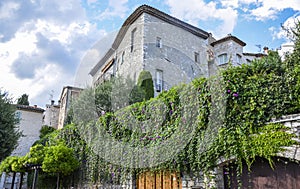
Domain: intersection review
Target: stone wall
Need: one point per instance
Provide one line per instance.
(231, 48)
(128, 62)
(30, 124)
(176, 55)
(51, 115)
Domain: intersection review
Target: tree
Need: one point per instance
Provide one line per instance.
(9, 133)
(145, 82)
(59, 159)
(137, 95)
(23, 100)
(292, 63)
(14, 164)
(45, 130)
(103, 97)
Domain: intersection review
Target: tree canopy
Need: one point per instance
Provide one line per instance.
(59, 159)
(145, 82)
(9, 133)
(23, 100)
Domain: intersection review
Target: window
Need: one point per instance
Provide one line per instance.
(158, 42)
(159, 80)
(18, 115)
(122, 57)
(197, 59)
(132, 39)
(222, 59)
(238, 59)
(193, 69)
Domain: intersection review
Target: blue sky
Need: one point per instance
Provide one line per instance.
(44, 43)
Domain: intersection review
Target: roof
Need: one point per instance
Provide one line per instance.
(134, 16)
(70, 88)
(227, 38)
(255, 54)
(29, 108)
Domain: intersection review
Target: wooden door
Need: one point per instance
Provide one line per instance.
(159, 180)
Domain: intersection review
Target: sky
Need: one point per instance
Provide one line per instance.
(48, 44)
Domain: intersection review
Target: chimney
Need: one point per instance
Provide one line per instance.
(266, 49)
(52, 102)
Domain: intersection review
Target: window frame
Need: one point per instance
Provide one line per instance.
(158, 42)
(196, 57)
(133, 32)
(122, 57)
(223, 59)
(159, 80)
(239, 58)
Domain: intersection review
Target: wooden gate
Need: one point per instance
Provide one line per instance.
(159, 180)
(285, 175)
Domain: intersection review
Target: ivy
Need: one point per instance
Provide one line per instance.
(252, 95)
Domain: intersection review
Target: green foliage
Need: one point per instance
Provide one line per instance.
(45, 130)
(59, 159)
(13, 164)
(36, 154)
(9, 133)
(103, 97)
(254, 94)
(292, 64)
(23, 100)
(145, 82)
(112, 95)
(137, 95)
(6, 164)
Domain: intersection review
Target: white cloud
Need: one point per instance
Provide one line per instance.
(267, 9)
(230, 3)
(41, 49)
(116, 8)
(194, 11)
(280, 33)
(7, 9)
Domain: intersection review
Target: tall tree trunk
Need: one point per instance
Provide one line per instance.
(13, 180)
(21, 180)
(57, 181)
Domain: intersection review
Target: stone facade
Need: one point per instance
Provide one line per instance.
(173, 51)
(154, 41)
(51, 115)
(67, 95)
(31, 120)
(229, 50)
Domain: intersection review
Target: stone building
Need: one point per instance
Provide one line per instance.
(172, 50)
(31, 121)
(67, 95)
(51, 115)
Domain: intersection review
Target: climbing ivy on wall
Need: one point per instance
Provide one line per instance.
(253, 94)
